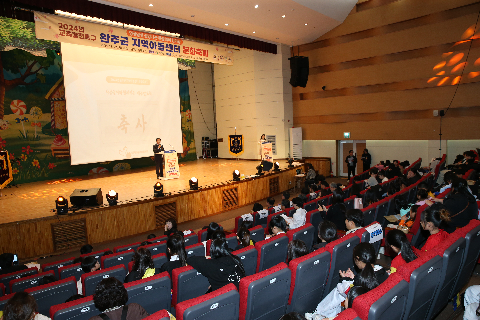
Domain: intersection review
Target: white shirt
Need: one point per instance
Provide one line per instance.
(79, 286)
(298, 219)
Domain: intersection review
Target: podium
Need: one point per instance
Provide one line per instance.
(172, 170)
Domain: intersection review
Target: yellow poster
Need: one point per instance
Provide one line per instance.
(56, 28)
(267, 152)
(172, 171)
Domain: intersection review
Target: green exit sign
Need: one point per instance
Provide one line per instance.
(346, 135)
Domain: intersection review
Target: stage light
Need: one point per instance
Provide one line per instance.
(61, 205)
(276, 167)
(193, 182)
(112, 197)
(290, 165)
(259, 170)
(236, 175)
(158, 190)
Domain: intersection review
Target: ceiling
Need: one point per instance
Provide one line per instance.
(304, 21)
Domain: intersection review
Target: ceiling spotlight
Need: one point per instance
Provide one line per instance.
(256, 6)
(253, 31)
(150, 5)
(226, 24)
(236, 175)
(306, 24)
(61, 205)
(276, 167)
(193, 182)
(283, 16)
(158, 190)
(112, 197)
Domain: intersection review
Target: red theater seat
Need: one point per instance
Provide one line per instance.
(18, 285)
(80, 309)
(152, 293)
(271, 251)
(6, 278)
(160, 315)
(53, 293)
(91, 279)
(56, 265)
(187, 283)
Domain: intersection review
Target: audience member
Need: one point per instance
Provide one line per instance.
(212, 228)
(310, 176)
(170, 226)
(398, 242)
(292, 316)
(47, 280)
(277, 226)
(111, 299)
(86, 249)
(223, 267)
(106, 253)
(372, 181)
(296, 249)
(408, 219)
(22, 306)
(351, 162)
(327, 232)
(89, 264)
(433, 220)
(366, 159)
(285, 204)
(353, 220)
(9, 263)
(382, 176)
(176, 254)
(413, 176)
(243, 238)
(143, 266)
(299, 217)
(336, 212)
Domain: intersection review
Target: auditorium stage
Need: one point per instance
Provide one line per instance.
(36, 200)
(29, 226)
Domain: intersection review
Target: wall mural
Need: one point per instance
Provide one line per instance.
(33, 117)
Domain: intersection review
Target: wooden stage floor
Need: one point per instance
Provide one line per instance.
(37, 199)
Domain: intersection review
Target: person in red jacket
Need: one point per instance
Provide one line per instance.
(433, 220)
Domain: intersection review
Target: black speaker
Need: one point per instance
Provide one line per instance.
(86, 197)
(300, 68)
(267, 165)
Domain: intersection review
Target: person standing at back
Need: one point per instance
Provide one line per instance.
(366, 159)
(351, 162)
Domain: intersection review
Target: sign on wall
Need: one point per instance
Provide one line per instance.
(56, 28)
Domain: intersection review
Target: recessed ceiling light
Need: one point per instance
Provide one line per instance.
(253, 31)
(306, 24)
(226, 24)
(192, 15)
(256, 6)
(283, 16)
(150, 5)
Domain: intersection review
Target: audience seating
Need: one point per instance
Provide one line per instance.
(6, 278)
(56, 265)
(115, 259)
(257, 221)
(18, 285)
(152, 293)
(382, 211)
(369, 214)
(96, 254)
(195, 250)
(350, 202)
(422, 274)
(309, 277)
(341, 251)
(314, 218)
(271, 251)
(158, 239)
(157, 247)
(451, 251)
(266, 288)
(53, 293)
(159, 259)
(159, 315)
(73, 270)
(257, 233)
(290, 211)
(202, 234)
(387, 301)
(269, 218)
(415, 233)
(306, 233)
(232, 242)
(187, 283)
(348, 314)
(131, 246)
(248, 256)
(2, 290)
(80, 309)
(4, 300)
(311, 205)
(91, 279)
(223, 303)
(325, 201)
(238, 223)
(191, 239)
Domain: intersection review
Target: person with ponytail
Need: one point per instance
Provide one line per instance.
(244, 238)
(433, 220)
(177, 257)
(398, 241)
(143, 266)
(223, 267)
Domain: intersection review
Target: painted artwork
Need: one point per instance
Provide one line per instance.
(33, 115)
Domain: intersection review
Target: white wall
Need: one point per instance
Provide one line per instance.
(201, 101)
(254, 96)
(321, 148)
(455, 147)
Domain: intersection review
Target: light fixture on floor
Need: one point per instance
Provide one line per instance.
(276, 167)
(112, 197)
(193, 182)
(236, 175)
(158, 190)
(61, 205)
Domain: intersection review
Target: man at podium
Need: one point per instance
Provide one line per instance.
(158, 151)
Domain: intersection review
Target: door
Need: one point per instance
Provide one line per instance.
(344, 147)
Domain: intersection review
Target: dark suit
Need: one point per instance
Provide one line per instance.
(158, 159)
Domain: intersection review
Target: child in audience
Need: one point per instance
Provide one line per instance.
(177, 257)
(299, 217)
(170, 226)
(327, 232)
(89, 264)
(223, 267)
(422, 196)
(432, 219)
(212, 228)
(296, 249)
(408, 219)
(277, 226)
(398, 242)
(142, 266)
(243, 238)
(382, 177)
(369, 277)
(353, 220)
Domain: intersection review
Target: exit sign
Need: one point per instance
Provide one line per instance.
(346, 135)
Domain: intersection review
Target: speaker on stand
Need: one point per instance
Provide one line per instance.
(300, 68)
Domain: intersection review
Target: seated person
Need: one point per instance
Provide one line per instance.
(243, 238)
(296, 249)
(86, 249)
(413, 176)
(277, 226)
(111, 298)
(313, 191)
(212, 228)
(327, 232)
(373, 181)
(143, 266)
(89, 264)
(285, 204)
(398, 242)
(9, 263)
(353, 220)
(170, 227)
(304, 194)
(21, 306)
(299, 217)
(432, 220)
(422, 196)
(336, 212)
(177, 257)
(408, 219)
(271, 205)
